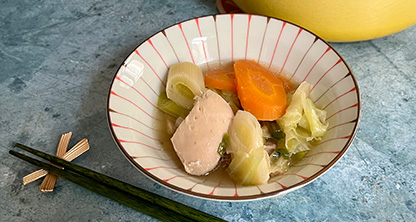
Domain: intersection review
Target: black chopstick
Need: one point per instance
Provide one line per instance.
(136, 198)
(125, 187)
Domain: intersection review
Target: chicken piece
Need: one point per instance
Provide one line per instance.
(197, 138)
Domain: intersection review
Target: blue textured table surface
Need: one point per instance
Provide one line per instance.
(57, 60)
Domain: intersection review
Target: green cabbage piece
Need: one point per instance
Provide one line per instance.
(303, 123)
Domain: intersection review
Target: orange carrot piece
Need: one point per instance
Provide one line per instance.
(222, 79)
(260, 92)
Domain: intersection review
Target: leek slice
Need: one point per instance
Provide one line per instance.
(245, 133)
(170, 107)
(250, 163)
(250, 168)
(225, 142)
(185, 81)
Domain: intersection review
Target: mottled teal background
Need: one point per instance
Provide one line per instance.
(57, 60)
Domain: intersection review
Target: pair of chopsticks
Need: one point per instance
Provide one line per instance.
(141, 200)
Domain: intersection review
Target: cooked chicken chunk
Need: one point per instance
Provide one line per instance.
(197, 138)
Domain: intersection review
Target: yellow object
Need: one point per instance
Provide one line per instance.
(339, 20)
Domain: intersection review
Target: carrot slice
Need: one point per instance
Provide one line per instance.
(222, 79)
(260, 92)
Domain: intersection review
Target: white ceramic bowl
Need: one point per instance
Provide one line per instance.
(138, 126)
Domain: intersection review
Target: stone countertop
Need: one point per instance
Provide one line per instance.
(57, 60)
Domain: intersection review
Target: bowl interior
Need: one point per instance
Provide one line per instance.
(139, 128)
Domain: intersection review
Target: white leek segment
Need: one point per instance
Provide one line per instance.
(170, 107)
(303, 122)
(249, 161)
(250, 168)
(185, 81)
(245, 133)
